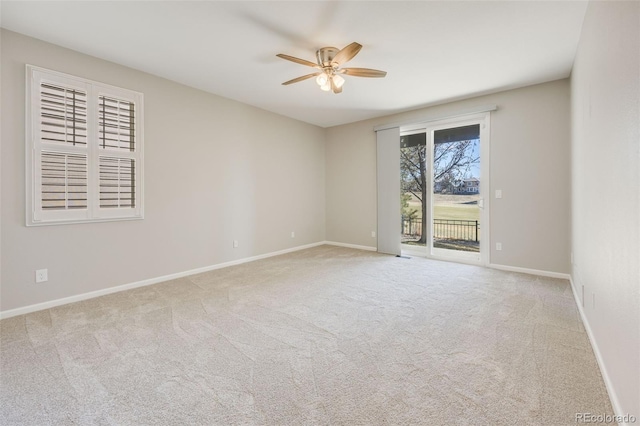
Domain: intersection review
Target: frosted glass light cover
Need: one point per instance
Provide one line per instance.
(322, 79)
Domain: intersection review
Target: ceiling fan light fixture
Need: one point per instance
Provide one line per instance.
(322, 79)
(338, 80)
(329, 67)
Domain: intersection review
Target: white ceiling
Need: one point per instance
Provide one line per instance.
(433, 51)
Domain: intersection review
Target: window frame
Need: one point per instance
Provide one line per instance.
(35, 214)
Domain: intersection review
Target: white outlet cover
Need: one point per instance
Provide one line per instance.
(42, 275)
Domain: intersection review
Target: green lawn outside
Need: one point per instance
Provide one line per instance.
(456, 212)
(447, 207)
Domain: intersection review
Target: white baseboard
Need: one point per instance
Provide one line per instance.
(353, 246)
(613, 396)
(90, 295)
(530, 271)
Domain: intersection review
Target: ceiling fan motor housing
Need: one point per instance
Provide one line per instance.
(325, 55)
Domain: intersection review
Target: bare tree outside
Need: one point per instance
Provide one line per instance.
(413, 175)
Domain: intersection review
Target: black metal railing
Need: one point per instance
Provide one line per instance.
(467, 230)
(456, 229)
(411, 228)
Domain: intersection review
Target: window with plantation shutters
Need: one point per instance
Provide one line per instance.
(84, 150)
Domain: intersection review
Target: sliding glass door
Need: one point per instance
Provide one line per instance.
(443, 209)
(455, 192)
(414, 190)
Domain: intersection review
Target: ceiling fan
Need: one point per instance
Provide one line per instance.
(329, 61)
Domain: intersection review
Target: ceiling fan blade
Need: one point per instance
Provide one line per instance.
(363, 72)
(347, 53)
(297, 60)
(304, 77)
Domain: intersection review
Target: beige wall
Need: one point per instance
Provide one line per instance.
(215, 170)
(606, 191)
(530, 162)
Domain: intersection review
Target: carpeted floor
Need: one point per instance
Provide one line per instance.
(321, 336)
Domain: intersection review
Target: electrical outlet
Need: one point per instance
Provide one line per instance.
(498, 193)
(293, 234)
(42, 275)
(498, 246)
(235, 243)
(373, 234)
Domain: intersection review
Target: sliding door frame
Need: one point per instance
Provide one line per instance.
(483, 119)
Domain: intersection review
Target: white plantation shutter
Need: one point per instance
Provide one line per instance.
(64, 181)
(63, 115)
(117, 182)
(116, 135)
(63, 124)
(84, 150)
(116, 124)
